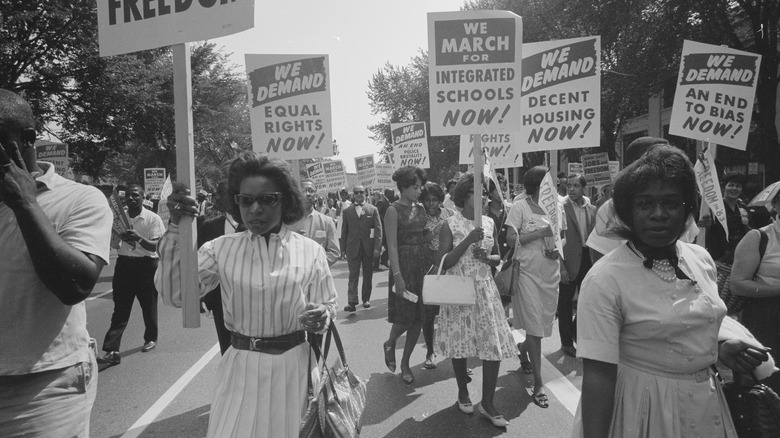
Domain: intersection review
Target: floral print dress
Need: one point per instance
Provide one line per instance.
(480, 330)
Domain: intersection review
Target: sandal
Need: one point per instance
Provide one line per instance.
(525, 365)
(541, 400)
(389, 356)
(429, 363)
(408, 378)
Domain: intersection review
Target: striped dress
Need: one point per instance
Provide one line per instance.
(264, 289)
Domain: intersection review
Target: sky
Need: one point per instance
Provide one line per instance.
(358, 36)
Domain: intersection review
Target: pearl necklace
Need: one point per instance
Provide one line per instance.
(662, 268)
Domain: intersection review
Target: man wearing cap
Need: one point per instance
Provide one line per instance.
(54, 241)
(203, 202)
(361, 238)
(317, 226)
(134, 276)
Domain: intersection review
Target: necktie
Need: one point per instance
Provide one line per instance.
(359, 209)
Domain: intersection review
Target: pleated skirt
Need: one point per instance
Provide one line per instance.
(260, 395)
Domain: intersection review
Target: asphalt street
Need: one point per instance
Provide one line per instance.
(167, 392)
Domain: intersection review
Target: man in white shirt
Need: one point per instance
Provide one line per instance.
(134, 276)
(317, 226)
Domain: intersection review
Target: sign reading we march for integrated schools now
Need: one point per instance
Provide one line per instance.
(561, 94)
(154, 178)
(473, 72)
(328, 175)
(289, 97)
(366, 172)
(410, 144)
(126, 26)
(716, 88)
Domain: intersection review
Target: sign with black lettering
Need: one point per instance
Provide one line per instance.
(474, 71)
(366, 173)
(126, 26)
(596, 169)
(715, 92)
(502, 150)
(154, 178)
(289, 98)
(410, 144)
(54, 153)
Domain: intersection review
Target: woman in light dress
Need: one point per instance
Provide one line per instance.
(276, 285)
(480, 330)
(649, 317)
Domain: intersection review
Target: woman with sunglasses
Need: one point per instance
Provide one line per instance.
(276, 286)
(649, 317)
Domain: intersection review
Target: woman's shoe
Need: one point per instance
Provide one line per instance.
(541, 400)
(498, 420)
(466, 408)
(389, 356)
(408, 377)
(525, 365)
(429, 363)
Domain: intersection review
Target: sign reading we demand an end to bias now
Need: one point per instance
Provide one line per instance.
(289, 97)
(474, 71)
(716, 88)
(126, 26)
(410, 144)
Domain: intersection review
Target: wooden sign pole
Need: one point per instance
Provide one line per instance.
(477, 180)
(185, 173)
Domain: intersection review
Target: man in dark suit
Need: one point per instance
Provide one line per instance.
(580, 219)
(209, 230)
(361, 238)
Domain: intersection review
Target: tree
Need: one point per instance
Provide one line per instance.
(400, 94)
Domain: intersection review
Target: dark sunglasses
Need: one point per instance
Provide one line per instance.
(265, 200)
(358, 192)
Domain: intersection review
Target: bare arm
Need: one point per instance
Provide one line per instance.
(746, 261)
(391, 227)
(598, 397)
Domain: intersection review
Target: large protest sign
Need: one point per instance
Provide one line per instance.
(715, 93)
(561, 94)
(384, 175)
(473, 71)
(548, 201)
(410, 144)
(328, 176)
(54, 153)
(154, 178)
(366, 173)
(126, 26)
(289, 98)
(596, 169)
(503, 150)
(709, 187)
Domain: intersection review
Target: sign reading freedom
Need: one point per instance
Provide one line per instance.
(126, 26)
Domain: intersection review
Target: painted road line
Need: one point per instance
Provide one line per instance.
(560, 386)
(96, 296)
(149, 416)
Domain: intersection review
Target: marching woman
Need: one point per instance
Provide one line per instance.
(480, 330)
(276, 286)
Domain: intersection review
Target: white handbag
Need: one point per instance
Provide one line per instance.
(449, 290)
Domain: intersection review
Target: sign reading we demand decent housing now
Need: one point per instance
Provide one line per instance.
(716, 88)
(289, 98)
(473, 72)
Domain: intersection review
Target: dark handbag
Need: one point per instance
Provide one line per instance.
(336, 405)
(755, 409)
(735, 303)
(507, 277)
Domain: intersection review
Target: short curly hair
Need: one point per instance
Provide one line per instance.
(251, 164)
(664, 163)
(433, 191)
(407, 176)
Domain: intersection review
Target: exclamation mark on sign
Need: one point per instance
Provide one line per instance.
(739, 128)
(322, 137)
(585, 129)
(506, 111)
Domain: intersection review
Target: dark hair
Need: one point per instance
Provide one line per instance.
(734, 177)
(662, 163)
(579, 176)
(533, 179)
(451, 184)
(407, 176)
(432, 190)
(390, 195)
(638, 147)
(561, 175)
(133, 185)
(255, 164)
(461, 191)
(15, 112)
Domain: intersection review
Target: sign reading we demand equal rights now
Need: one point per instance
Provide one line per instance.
(126, 26)
(289, 98)
(474, 72)
(716, 88)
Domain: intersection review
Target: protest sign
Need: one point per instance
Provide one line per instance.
(328, 176)
(474, 71)
(410, 144)
(709, 187)
(548, 201)
(54, 153)
(121, 222)
(154, 178)
(614, 169)
(715, 93)
(384, 175)
(595, 167)
(503, 150)
(126, 26)
(561, 94)
(162, 206)
(366, 173)
(289, 97)
(575, 169)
